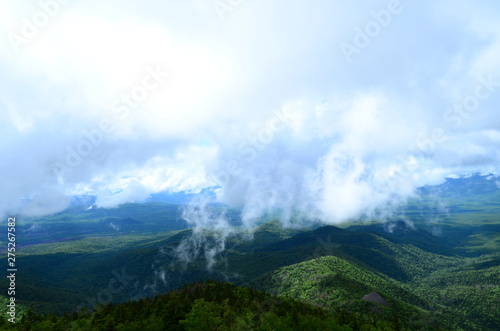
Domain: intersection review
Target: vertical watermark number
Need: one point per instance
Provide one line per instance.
(11, 269)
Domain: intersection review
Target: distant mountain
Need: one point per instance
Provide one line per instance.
(82, 201)
(179, 197)
(464, 185)
(401, 232)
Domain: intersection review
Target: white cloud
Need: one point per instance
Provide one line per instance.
(352, 128)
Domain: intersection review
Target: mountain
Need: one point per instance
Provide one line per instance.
(434, 264)
(181, 197)
(333, 283)
(209, 306)
(464, 185)
(329, 267)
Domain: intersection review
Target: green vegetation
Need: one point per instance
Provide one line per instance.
(335, 284)
(436, 264)
(208, 306)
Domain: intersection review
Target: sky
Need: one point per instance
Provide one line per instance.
(329, 108)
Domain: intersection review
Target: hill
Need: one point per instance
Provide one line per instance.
(435, 262)
(208, 306)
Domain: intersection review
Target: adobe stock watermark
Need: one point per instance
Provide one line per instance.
(454, 119)
(223, 7)
(470, 104)
(116, 285)
(325, 247)
(371, 30)
(263, 308)
(249, 148)
(121, 108)
(31, 27)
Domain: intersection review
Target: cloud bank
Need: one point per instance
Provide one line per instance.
(330, 109)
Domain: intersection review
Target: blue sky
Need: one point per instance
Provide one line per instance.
(328, 107)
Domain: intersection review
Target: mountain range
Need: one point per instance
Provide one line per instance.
(433, 264)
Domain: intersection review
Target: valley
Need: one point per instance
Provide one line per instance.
(435, 262)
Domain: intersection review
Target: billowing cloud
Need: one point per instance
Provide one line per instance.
(326, 108)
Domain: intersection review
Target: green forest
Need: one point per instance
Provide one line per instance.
(401, 273)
